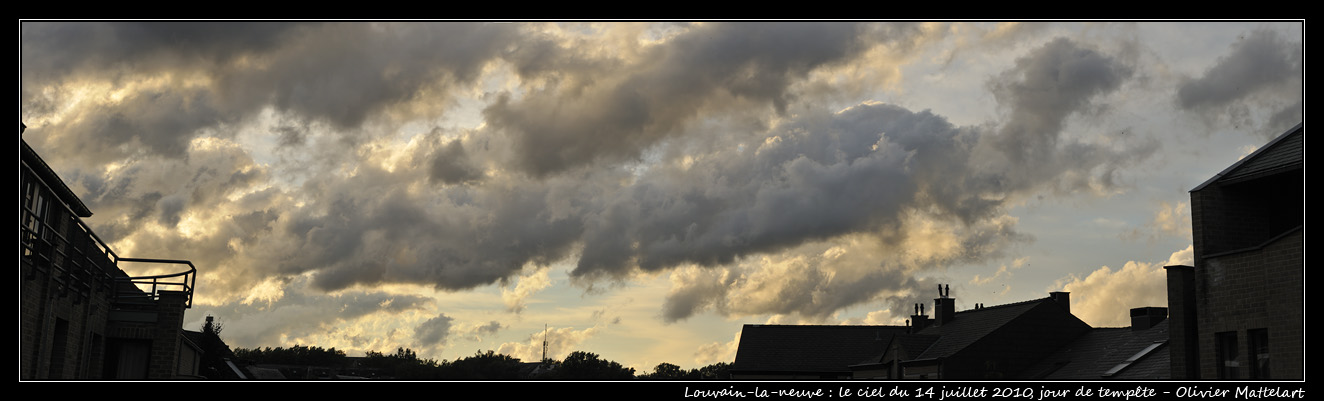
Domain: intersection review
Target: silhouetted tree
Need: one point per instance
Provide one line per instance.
(404, 364)
(214, 352)
(716, 371)
(667, 371)
(580, 365)
(296, 355)
(483, 366)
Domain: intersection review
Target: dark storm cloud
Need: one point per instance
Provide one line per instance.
(1047, 86)
(806, 184)
(1261, 63)
(434, 331)
(1262, 59)
(859, 171)
(367, 230)
(451, 165)
(222, 73)
(347, 219)
(55, 49)
(345, 73)
(636, 105)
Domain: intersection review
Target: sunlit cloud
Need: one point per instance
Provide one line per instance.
(1105, 296)
(355, 183)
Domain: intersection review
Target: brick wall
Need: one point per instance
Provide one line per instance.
(77, 319)
(1260, 288)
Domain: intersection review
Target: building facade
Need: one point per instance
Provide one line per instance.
(82, 317)
(1239, 312)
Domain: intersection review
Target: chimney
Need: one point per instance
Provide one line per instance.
(1146, 317)
(1063, 298)
(944, 307)
(921, 321)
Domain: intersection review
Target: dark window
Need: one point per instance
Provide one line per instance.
(1226, 346)
(1259, 353)
(59, 342)
(34, 214)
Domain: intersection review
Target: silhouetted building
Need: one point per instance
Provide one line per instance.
(1138, 352)
(807, 352)
(81, 316)
(1036, 339)
(1239, 312)
(985, 343)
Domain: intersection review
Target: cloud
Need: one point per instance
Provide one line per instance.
(299, 315)
(450, 165)
(1056, 81)
(560, 341)
(1105, 296)
(322, 152)
(168, 82)
(433, 332)
(708, 68)
(1170, 220)
(717, 352)
(527, 286)
(1262, 66)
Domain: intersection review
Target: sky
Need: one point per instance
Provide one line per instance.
(642, 190)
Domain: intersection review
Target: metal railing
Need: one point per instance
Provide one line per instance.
(149, 287)
(80, 260)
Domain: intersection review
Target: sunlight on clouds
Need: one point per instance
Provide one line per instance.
(1170, 220)
(561, 341)
(1173, 219)
(878, 69)
(1246, 151)
(267, 291)
(1105, 296)
(1003, 30)
(192, 226)
(927, 238)
(977, 280)
(527, 286)
(717, 352)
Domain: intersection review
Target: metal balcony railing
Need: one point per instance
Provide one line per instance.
(59, 243)
(148, 288)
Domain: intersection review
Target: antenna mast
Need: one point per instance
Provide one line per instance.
(544, 342)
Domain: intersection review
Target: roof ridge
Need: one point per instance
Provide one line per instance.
(1020, 303)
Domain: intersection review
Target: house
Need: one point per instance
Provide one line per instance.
(984, 343)
(1239, 312)
(807, 352)
(1031, 340)
(1138, 352)
(81, 315)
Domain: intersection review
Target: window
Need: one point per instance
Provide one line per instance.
(1134, 358)
(1225, 344)
(34, 214)
(1259, 353)
(59, 344)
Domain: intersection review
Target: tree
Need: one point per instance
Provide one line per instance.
(580, 365)
(667, 371)
(716, 371)
(483, 366)
(214, 352)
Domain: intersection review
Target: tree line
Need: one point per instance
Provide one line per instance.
(404, 364)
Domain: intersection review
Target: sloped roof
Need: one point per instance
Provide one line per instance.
(1285, 152)
(1105, 349)
(967, 327)
(52, 180)
(809, 348)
